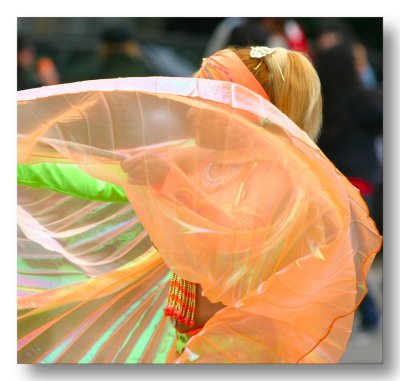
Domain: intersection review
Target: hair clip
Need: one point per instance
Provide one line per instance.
(261, 52)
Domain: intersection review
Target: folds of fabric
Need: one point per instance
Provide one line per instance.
(114, 318)
(40, 270)
(94, 236)
(250, 208)
(68, 312)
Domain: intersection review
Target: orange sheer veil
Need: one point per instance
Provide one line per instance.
(277, 233)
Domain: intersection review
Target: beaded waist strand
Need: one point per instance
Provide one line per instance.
(181, 300)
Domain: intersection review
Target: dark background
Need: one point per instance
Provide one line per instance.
(73, 42)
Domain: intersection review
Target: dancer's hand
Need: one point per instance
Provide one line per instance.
(146, 168)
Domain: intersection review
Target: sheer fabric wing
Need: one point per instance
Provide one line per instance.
(113, 318)
(94, 236)
(250, 208)
(40, 269)
(67, 311)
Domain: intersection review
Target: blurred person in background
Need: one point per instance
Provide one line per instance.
(335, 31)
(286, 32)
(364, 68)
(353, 120)
(33, 71)
(121, 55)
(221, 34)
(250, 32)
(270, 31)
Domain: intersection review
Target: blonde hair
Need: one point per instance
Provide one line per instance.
(297, 94)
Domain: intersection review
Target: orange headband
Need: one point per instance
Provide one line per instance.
(225, 65)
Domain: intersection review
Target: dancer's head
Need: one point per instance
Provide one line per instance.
(286, 78)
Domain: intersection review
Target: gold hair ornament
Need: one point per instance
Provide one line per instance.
(261, 52)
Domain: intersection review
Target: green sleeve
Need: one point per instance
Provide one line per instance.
(69, 179)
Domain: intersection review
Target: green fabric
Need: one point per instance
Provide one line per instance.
(181, 341)
(69, 179)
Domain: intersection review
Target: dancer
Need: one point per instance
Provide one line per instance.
(268, 243)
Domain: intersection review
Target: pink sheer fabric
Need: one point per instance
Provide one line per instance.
(248, 207)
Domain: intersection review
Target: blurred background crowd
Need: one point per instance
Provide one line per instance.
(347, 53)
(91, 47)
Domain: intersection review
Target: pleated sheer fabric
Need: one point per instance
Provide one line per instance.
(231, 193)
